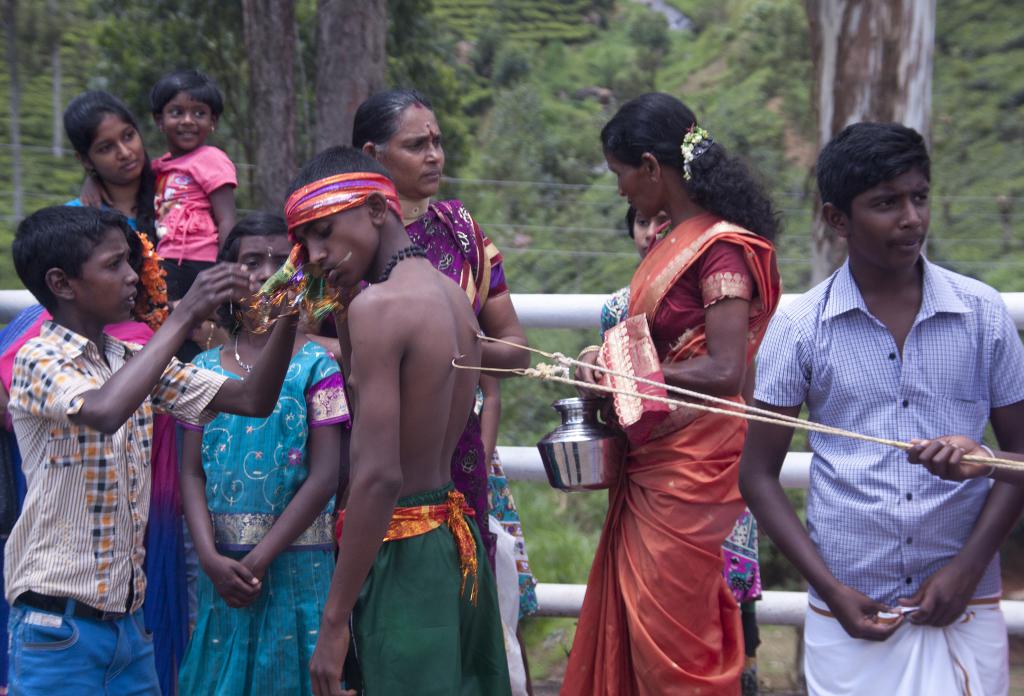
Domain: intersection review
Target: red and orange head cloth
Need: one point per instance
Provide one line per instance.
(305, 287)
(336, 194)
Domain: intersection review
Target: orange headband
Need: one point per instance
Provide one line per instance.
(336, 194)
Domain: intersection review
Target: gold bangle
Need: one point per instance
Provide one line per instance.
(588, 349)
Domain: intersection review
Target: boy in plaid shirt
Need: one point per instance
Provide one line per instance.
(82, 404)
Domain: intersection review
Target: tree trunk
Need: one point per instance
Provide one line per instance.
(1005, 205)
(57, 142)
(269, 27)
(351, 63)
(11, 34)
(873, 62)
(305, 141)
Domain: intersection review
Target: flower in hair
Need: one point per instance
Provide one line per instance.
(696, 142)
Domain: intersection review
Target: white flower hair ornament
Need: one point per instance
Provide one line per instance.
(696, 142)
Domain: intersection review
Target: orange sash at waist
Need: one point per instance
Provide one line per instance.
(408, 522)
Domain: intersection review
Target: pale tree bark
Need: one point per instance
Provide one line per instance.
(57, 142)
(873, 62)
(351, 64)
(304, 144)
(10, 14)
(269, 27)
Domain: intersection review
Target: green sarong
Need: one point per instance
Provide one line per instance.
(413, 630)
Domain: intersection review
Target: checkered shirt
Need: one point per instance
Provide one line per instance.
(882, 524)
(81, 530)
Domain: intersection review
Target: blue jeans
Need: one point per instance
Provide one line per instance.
(54, 654)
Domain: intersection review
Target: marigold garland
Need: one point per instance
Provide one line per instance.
(151, 302)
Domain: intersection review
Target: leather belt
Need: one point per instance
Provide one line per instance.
(59, 605)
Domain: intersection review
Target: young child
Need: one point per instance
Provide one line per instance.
(902, 566)
(422, 604)
(259, 502)
(82, 405)
(195, 182)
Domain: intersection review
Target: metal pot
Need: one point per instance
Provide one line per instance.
(582, 453)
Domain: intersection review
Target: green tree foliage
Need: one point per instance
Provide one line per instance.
(977, 122)
(648, 32)
(420, 52)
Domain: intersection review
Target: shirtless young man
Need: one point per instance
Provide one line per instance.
(420, 607)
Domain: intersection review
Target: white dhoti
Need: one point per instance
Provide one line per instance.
(969, 657)
(506, 575)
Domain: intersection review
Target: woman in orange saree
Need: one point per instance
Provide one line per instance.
(658, 619)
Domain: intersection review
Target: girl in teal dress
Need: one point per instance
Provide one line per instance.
(259, 500)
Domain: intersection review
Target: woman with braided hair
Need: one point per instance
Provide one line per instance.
(658, 619)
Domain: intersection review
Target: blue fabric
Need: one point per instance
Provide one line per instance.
(881, 524)
(614, 310)
(166, 605)
(255, 465)
(18, 325)
(7, 440)
(80, 656)
(77, 203)
(26, 318)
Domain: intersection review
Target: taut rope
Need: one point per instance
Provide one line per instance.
(560, 373)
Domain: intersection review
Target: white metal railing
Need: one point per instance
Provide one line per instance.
(535, 311)
(775, 608)
(584, 311)
(523, 463)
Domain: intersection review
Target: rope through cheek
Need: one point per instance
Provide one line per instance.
(559, 373)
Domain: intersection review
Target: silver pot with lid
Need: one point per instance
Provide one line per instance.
(582, 453)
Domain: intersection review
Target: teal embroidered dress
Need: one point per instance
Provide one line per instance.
(253, 469)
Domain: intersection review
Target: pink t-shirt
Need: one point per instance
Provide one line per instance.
(185, 224)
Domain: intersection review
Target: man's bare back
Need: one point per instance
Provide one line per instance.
(412, 580)
(421, 321)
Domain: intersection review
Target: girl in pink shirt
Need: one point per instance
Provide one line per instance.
(195, 182)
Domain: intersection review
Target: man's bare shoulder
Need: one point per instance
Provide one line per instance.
(382, 314)
(386, 301)
(375, 312)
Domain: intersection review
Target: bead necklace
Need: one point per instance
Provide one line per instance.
(409, 252)
(238, 359)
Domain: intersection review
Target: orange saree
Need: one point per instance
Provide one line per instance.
(658, 619)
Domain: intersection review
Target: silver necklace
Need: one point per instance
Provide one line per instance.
(238, 359)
